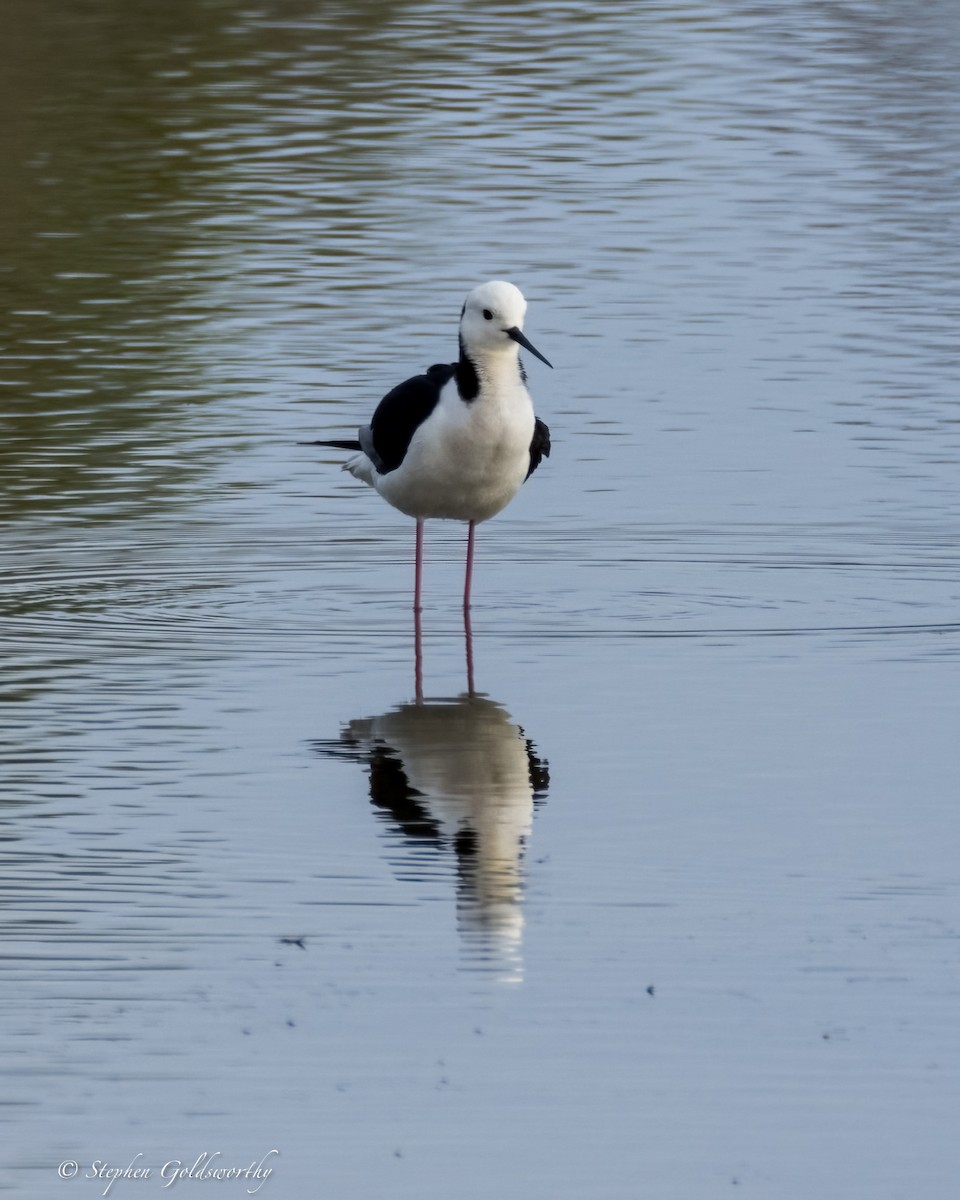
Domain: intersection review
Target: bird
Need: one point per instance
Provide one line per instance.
(460, 440)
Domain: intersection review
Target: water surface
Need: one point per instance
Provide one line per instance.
(669, 906)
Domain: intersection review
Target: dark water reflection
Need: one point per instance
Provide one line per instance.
(727, 608)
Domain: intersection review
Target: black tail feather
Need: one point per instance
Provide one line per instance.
(342, 445)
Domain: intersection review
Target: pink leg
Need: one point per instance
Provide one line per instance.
(468, 640)
(417, 656)
(469, 578)
(418, 570)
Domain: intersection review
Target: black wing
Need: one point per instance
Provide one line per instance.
(539, 447)
(400, 414)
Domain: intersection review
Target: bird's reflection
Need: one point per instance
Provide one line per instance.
(458, 776)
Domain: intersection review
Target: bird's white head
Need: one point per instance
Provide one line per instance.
(492, 321)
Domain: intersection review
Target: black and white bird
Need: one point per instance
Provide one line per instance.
(459, 441)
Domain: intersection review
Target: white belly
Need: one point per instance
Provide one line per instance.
(467, 461)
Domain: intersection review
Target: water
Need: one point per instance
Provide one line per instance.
(671, 907)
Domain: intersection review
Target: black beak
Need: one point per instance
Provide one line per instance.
(518, 336)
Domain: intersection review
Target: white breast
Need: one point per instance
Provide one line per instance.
(468, 459)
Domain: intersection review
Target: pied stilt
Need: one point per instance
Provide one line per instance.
(459, 441)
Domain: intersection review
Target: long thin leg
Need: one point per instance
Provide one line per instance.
(417, 656)
(417, 629)
(468, 640)
(469, 576)
(418, 570)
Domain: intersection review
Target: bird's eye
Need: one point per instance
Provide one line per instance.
(487, 314)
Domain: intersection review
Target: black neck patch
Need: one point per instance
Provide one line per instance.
(468, 382)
